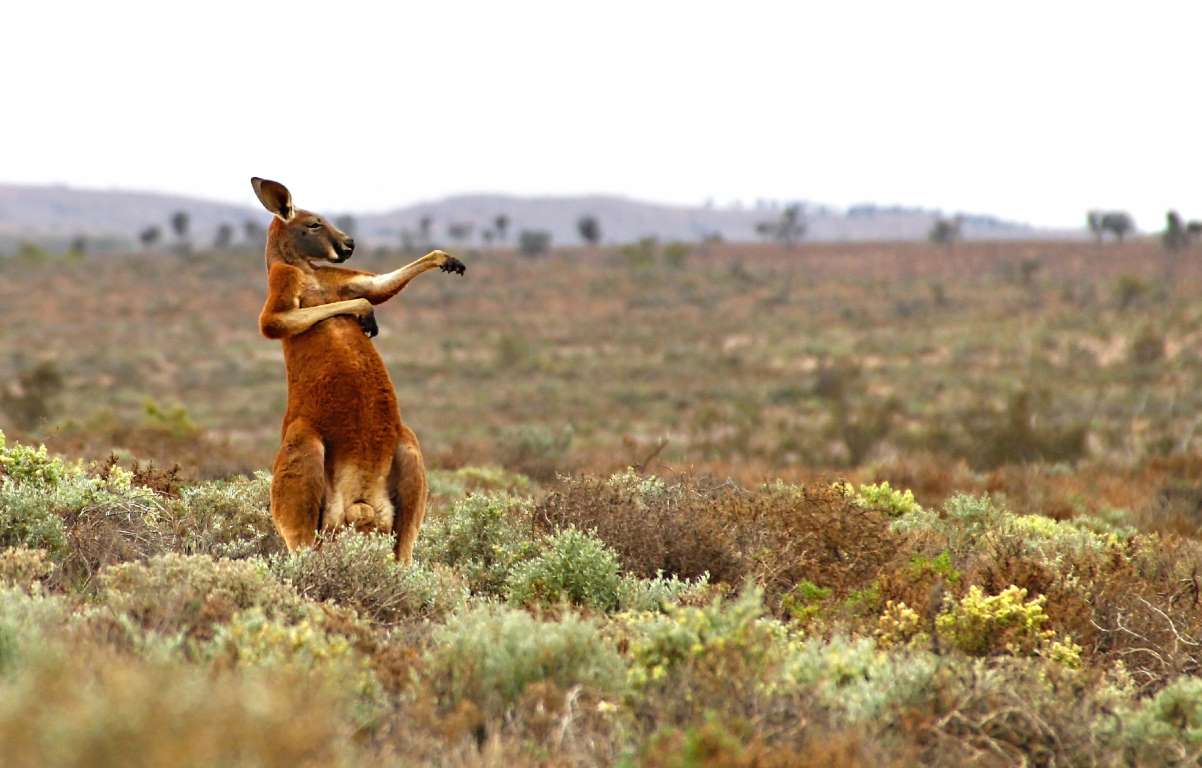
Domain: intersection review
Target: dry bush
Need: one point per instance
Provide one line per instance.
(109, 531)
(1013, 437)
(1005, 713)
(225, 518)
(165, 482)
(360, 571)
(778, 534)
(652, 527)
(23, 568)
(1147, 612)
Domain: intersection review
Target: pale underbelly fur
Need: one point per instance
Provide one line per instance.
(358, 498)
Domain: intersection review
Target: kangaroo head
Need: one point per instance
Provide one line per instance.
(298, 236)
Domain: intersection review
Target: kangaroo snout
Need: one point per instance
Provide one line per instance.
(345, 248)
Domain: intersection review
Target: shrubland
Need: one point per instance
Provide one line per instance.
(628, 619)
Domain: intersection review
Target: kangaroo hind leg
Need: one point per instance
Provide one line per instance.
(407, 482)
(298, 485)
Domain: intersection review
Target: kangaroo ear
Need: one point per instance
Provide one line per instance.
(274, 196)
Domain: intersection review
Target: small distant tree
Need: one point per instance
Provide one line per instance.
(792, 224)
(1093, 220)
(1194, 230)
(534, 242)
(424, 226)
(459, 231)
(1175, 236)
(346, 223)
(224, 236)
(501, 224)
(945, 231)
(179, 224)
(788, 229)
(253, 232)
(150, 236)
(78, 246)
(489, 235)
(1118, 223)
(589, 228)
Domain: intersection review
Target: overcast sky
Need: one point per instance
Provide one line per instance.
(1034, 111)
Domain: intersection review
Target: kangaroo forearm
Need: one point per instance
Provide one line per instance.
(279, 325)
(380, 288)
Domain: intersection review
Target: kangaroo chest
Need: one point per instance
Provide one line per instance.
(311, 293)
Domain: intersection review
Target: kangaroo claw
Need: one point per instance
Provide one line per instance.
(453, 264)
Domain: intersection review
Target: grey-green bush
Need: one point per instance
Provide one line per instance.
(574, 566)
(483, 536)
(360, 571)
(489, 654)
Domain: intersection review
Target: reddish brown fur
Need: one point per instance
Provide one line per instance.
(345, 456)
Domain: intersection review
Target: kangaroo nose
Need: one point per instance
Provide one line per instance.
(349, 245)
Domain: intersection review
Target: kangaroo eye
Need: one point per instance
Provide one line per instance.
(314, 225)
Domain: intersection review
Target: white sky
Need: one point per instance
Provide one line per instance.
(1030, 110)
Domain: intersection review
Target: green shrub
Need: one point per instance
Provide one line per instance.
(252, 638)
(802, 603)
(173, 420)
(574, 566)
(882, 496)
(1054, 540)
(660, 592)
(26, 464)
(227, 518)
(28, 519)
(82, 520)
(27, 622)
(965, 519)
(983, 625)
(189, 595)
(488, 655)
(1167, 727)
(721, 641)
(940, 565)
(360, 571)
(856, 679)
(482, 536)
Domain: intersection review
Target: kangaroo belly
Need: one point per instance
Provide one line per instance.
(338, 384)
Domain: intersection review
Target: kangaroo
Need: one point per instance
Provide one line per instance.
(345, 457)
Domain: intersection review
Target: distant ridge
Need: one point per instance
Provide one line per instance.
(56, 213)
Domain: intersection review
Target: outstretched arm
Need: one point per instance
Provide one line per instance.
(380, 288)
(282, 315)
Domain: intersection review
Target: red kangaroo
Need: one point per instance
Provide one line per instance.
(345, 457)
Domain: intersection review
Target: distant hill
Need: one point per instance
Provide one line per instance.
(54, 214)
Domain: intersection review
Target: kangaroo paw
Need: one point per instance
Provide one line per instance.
(453, 264)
